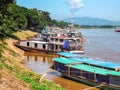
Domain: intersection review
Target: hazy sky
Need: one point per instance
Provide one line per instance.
(60, 9)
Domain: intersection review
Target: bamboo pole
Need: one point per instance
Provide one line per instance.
(95, 76)
(68, 71)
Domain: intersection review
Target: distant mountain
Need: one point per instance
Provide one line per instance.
(92, 21)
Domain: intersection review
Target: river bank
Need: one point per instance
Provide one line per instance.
(14, 75)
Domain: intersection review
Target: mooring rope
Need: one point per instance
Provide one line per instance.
(102, 84)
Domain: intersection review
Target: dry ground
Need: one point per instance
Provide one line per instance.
(7, 80)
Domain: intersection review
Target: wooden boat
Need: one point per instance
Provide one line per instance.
(53, 42)
(117, 29)
(97, 73)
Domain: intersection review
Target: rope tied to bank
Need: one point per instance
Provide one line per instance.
(102, 84)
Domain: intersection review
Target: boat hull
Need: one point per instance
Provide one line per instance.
(117, 30)
(92, 83)
(48, 51)
(29, 49)
(87, 74)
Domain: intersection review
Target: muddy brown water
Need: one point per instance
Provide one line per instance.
(42, 63)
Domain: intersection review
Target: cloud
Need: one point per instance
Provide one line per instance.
(75, 5)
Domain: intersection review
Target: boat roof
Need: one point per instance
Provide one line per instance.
(100, 63)
(80, 66)
(41, 42)
(68, 54)
(66, 37)
(64, 60)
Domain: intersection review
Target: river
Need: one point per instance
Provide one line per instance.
(102, 44)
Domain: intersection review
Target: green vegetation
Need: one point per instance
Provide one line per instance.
(14, 18)
(29, 77)
(2, 46)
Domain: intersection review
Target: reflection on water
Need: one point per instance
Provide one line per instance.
(38, 62)
(42, 63)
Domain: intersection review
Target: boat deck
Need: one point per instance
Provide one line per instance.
(100, 63)
(86, 67)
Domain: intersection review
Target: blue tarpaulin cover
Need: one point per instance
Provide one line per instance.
(66, 45)
(102, 63)
(98, 62)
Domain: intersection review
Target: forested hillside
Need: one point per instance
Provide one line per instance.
(14, 18)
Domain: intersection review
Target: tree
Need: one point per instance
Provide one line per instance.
(19, 19)
(63, 24)
(4, 20)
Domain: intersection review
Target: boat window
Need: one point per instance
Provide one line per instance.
(52, 35)
(61, 40)
(56, 40)
(27, 43)
(60, 46)
(52, 39)
(35, 45)
(56, 46)
(44, 47)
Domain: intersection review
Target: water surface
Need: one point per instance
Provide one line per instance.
(103, 44)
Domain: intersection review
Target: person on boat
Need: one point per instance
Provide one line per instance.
(66, 45)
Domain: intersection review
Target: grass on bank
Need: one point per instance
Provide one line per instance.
(12, 67)
(24, 34)
(11, 63)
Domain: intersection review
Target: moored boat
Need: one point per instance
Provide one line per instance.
(97, 73)
(53, 42)
(117, 29)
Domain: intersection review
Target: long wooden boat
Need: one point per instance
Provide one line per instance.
(97, 73)
(53, 42)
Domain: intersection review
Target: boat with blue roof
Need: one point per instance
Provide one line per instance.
(97, 73)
